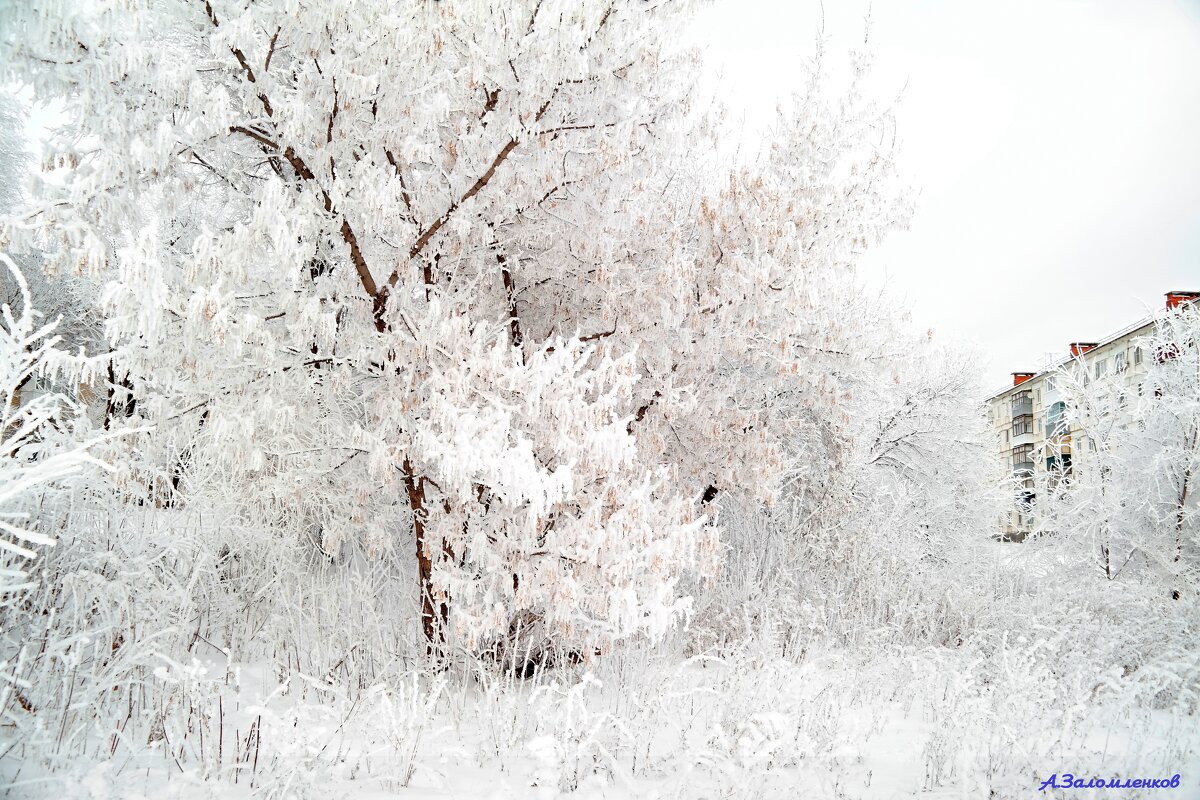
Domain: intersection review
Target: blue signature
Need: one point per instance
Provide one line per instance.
(1069, 781)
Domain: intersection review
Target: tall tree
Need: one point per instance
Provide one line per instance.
(459, 273)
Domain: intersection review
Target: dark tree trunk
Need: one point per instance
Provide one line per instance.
(433, 621)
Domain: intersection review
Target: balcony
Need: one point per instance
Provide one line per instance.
(1022, 426)
(1058, 449)
(1022, 461)
(1022, 404)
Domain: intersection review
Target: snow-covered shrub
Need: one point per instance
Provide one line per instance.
(36, 428)
(44, 442)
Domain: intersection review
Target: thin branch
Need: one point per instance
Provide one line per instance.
(258, 137)
(271, 50)
(492, 97)
(641, 412)
(591, 337)
(432, 230)
(302, 169)
(403, 188)
(588, 127)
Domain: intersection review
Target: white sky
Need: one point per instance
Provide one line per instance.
(1056, 145)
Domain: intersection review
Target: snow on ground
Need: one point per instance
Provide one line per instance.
(1042, 681)
(896, 725)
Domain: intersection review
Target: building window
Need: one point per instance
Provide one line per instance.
(1137, 355)
(1050, 384)
(1006, 435)
(1056, 419)
(1100, 368)
(1022, 425)
(1119, 362)
(1025, 499)
(1022, 458)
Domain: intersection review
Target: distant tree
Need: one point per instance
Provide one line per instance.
(928, 452)
(890, 515)
(68, 301)
(1132, 499)
(12, 152)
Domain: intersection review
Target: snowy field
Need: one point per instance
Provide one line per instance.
(904, 725)
(992, 716)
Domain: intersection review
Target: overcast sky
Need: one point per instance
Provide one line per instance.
(1055, 143)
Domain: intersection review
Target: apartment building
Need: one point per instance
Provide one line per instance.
(1029, 416)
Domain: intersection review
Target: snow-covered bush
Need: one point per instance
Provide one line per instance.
(44, 441)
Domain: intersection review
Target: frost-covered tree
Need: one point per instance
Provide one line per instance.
(1132, 500)
(903, 493)
(322, 227)
(457, 277)
(927, 448)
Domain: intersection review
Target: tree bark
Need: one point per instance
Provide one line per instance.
(433, 621)
(1181, 508)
